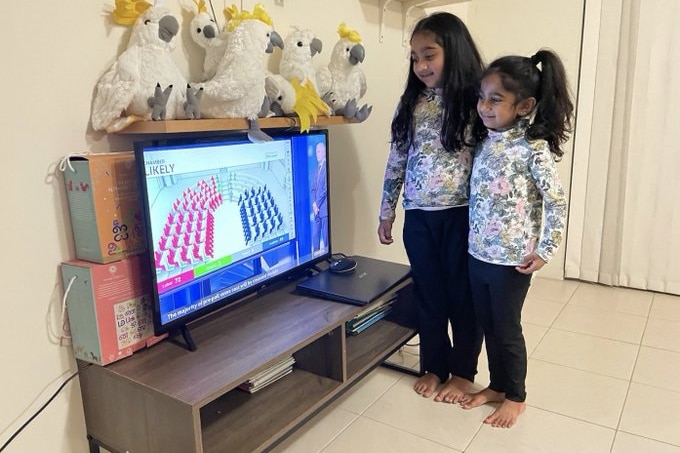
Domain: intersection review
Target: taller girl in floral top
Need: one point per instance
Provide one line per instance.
(517, 211)
(431, 157)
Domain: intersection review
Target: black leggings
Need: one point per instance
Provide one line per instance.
(498, 294)
(436, 245)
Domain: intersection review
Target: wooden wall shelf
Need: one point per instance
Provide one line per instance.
(223, 124)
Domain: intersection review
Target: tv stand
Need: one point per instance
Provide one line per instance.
(189, 342)
(167, 399)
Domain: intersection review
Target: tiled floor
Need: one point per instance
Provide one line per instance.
(604, 377)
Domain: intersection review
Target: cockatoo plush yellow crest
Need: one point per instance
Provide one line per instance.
(308, 104)
(230, 12)
(258, 13)
(127, 11)
(346, 33)
(200, 4)
(295, 98)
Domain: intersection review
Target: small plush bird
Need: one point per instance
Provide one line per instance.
(238, 88)
(205, 32)
(299, 47)
(123, 92)
(342, 83)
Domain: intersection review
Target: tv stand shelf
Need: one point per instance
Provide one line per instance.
(167, 399)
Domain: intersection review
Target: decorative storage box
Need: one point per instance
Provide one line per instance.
(109, 308)
(104, 206)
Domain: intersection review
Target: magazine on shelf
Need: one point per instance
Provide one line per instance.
(268, 376)
(368, 317)
(354, 328)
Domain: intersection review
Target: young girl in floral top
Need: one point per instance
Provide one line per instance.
(517, 211)
(431, 157)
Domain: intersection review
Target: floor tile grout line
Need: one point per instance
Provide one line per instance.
(334, 437)
(554, 412)
(474, 436)
(630, 381)
(397, 428)
(585, 371)
(600, 336)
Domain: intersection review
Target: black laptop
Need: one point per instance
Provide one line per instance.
(371, 278)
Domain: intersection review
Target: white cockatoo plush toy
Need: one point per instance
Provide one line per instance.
(299, 47)
(343, 83)
(127, 92)
(205, 32)
(238, 88)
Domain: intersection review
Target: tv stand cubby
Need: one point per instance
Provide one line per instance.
(167, 399)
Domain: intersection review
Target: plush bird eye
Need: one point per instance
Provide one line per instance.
(299, 44)
(147, 22)
(198, 30)
(347, 49)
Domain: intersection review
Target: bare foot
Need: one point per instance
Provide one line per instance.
(426, 385)
(506, 414)
(454, 390)
(485, 396)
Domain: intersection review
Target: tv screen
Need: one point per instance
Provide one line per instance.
(226, 217)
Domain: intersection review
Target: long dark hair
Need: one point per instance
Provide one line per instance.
(460, 78)
(553, 117)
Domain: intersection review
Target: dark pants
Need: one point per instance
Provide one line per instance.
(498, 294)
(320, 232)
(436, 245)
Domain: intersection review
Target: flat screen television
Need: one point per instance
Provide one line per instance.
(226, 217)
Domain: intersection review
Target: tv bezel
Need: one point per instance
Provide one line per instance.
(181, 324)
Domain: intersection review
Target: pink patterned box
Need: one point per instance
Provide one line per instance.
(109, 308)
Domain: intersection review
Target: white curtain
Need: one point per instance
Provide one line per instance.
(624, 225)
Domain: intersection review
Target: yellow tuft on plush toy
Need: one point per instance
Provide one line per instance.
(295, 97)
(125, 93)
(127, 11)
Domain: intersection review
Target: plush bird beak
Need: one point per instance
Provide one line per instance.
(357, 54)
(167, 28)
(274, 40)
(316, 45)
(209, 31)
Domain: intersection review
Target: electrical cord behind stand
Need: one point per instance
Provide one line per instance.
(42, 408)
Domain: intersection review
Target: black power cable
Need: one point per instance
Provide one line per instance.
(42, 408)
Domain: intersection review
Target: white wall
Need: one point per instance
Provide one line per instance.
(53, 54)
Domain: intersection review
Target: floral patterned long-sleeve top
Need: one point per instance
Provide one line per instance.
(432, 177)
(514, 185)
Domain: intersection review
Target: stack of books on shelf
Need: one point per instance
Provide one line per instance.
(368, 317)
(268, 376)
